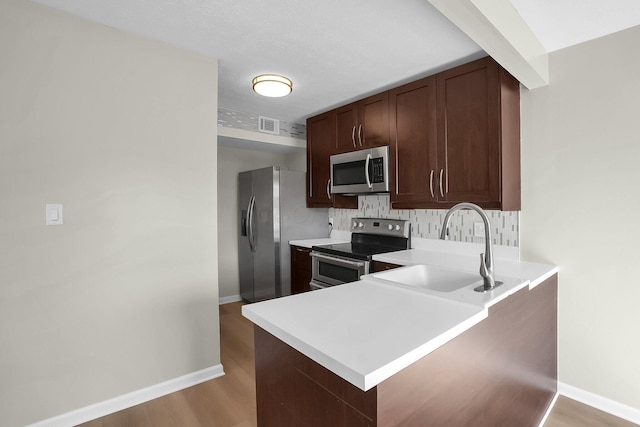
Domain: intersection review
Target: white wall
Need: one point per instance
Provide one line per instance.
(580, 201)
(122, 132)
(232, 161)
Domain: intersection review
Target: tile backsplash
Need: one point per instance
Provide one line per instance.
(249, 121)
(427, 223)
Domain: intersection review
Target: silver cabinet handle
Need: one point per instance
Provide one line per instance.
(431, 183)
(328, 192)
(353, 136)
(441, 190)
(360, 134)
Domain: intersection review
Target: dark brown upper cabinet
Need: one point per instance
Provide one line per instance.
(478, 115)
(413, 151)
(346, 128)
(321, 137)
(320, 143)
(363, 124)
(456, 137)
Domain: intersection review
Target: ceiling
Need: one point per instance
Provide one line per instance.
(335, 50)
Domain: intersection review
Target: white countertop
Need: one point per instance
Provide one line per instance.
(364, 331)
(369, 330)
(529, 272)
(337, 236)
(308, 243)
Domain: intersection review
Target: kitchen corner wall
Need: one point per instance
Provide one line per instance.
(580, 201)
(427, 223)
(121, 130)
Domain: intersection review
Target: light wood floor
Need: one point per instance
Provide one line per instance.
(229, 401)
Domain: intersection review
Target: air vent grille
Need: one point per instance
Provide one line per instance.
(267, 125)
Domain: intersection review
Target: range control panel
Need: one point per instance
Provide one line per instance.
(381, 226)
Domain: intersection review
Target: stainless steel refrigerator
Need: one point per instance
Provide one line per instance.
(272, 211)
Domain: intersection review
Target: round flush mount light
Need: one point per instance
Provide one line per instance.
(272, 85)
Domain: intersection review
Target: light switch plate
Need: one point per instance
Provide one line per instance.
(53, 214)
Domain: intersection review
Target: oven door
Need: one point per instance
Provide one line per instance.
(331, 270)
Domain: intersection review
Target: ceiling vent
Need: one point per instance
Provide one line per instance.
(267, 125)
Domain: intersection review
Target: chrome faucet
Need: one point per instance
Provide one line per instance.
(486, 259)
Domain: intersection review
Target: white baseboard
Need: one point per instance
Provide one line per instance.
(128, 400)
(227, 300)
(548, 412)
(596, 401)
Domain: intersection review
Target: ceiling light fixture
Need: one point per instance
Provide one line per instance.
(272, 85)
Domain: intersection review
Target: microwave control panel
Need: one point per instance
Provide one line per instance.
(377, 169)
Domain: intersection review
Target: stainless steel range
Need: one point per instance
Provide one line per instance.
(345, 262)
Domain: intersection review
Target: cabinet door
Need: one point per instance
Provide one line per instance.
(320, 143)
(373, 114)
(346, 128)
(414, 180)
(300, 269)
(378, 266)
(469, 132)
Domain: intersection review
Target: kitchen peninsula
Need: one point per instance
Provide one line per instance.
(371, 353)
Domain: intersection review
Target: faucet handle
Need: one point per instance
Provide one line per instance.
(485, 270)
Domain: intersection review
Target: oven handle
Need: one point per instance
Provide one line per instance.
(336, 260)
(315, 286)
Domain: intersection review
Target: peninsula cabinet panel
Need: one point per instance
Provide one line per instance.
(413, 143)
(501, 372)
(293, 390)
(478, 114)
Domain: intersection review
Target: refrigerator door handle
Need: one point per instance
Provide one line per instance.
(250, 236)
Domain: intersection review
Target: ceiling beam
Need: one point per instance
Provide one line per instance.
(497, 27)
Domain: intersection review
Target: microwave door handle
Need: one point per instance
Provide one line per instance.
(366, 171)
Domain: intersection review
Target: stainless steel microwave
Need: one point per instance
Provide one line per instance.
(360, 172)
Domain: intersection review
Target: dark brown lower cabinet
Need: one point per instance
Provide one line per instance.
(300, 269)
(501, 372)
(377, 266)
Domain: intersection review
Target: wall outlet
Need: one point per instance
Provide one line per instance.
(478, 229)
(331, 221)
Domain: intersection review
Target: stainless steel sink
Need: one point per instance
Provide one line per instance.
(427, 277)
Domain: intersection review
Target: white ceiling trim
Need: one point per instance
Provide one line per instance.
(497, 27)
